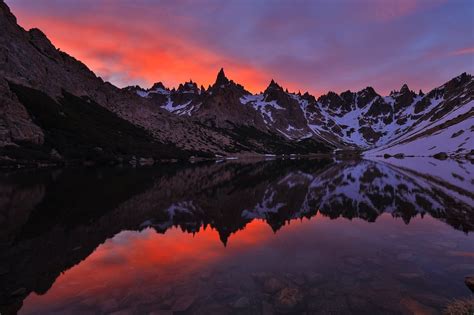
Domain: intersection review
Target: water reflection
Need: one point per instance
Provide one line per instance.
(164, 231)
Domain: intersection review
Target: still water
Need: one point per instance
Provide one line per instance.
(268, 237)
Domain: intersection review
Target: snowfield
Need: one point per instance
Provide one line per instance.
(455, 139)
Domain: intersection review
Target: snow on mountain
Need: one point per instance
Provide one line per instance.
(260, 105)
(445, 135)
(362, 120)
(442, 123)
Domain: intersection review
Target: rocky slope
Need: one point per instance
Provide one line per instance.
(52, 105)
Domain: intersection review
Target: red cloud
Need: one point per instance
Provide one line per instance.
(128, 55)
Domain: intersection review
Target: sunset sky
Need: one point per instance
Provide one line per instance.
(304, 45)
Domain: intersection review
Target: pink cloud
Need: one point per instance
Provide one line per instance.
(389, 10)
(464, 51)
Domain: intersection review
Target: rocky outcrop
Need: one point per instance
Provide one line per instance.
(469, 281)
(16, 125)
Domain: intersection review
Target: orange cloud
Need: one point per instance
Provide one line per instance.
(142, 55)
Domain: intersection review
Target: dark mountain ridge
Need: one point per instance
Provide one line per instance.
(38, 81)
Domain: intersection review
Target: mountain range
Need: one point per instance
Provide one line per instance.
(56, 110)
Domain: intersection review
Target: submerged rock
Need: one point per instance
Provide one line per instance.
(272, 285)
(289, 299)
(267, 308)
(109, 305)
(297, 279)
(183, 303)
(469, 281)
(242, 302)
(260, 276)
(314, 291)
(406, 256)
(225, 294)
(355, 261)
(358, 303)
(462, 306)
(313, 277)
(411, 275)
(416, 307)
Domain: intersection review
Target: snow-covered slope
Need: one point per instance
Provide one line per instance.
(451, 135)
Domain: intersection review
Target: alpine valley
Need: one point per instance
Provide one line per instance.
(54, 110)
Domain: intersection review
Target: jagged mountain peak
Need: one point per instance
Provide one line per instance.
(405, 89)
(188, 87)
(274, 85)
(348, 98)
(463, 77)
(158, 85)
(347, 92)
(309, 97)
(403, 92)
(458, 81)
(221, 78)
(368, 92)
(274, 92)
(329, 97)
(133, 88)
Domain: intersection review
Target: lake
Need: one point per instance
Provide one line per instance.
(238, 237)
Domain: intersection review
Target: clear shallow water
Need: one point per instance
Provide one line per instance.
(267, 237)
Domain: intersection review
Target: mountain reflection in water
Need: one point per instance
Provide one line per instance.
(151, 239)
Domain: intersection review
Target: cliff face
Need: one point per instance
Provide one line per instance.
(15, 122)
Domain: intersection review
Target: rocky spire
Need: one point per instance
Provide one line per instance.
(158, 85)
(221, 78)
(274, 92)
(404, 89)
(274, 85)
(189, 86)
(369, 91)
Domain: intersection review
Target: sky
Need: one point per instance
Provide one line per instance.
(315, 46)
